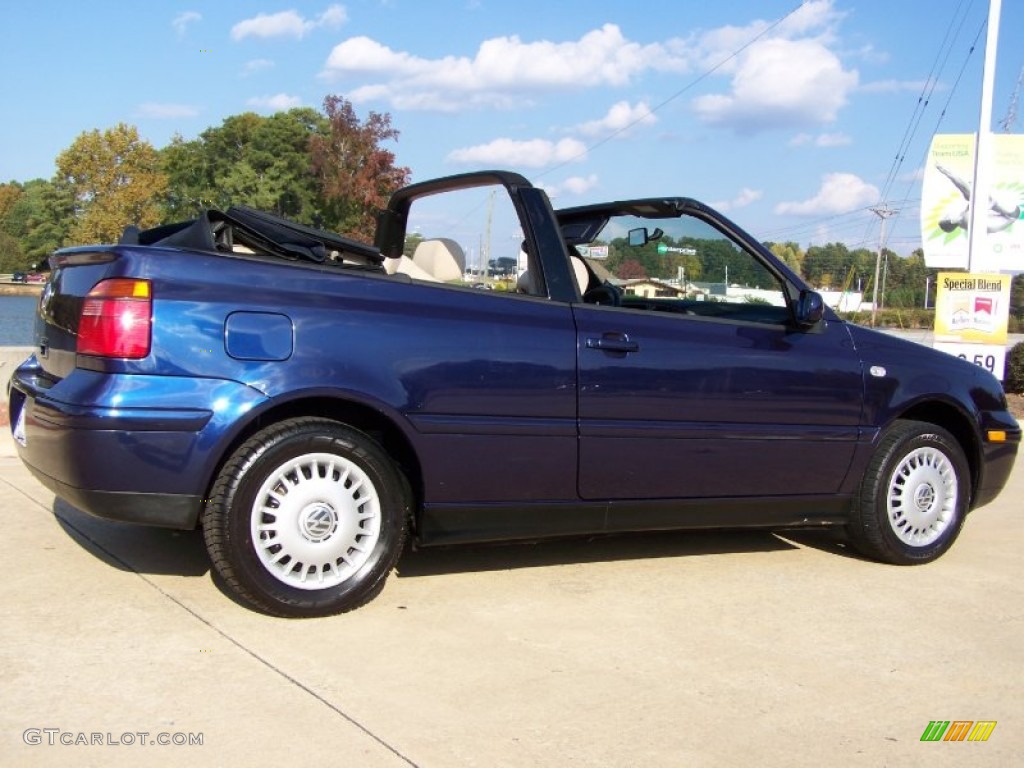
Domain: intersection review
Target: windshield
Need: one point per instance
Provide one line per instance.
(684, 252)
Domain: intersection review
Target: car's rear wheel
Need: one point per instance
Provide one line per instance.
(914, 495)
(307, 518)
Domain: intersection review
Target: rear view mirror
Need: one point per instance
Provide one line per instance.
(638, 237)
(641, 236)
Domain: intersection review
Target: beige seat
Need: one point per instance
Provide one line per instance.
(439, 260)
(579, 270)
(526, 283)
(403, 265)
(441, 257)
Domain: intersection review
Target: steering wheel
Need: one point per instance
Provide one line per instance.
(606, 294)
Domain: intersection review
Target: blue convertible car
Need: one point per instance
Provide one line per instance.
(313, 402)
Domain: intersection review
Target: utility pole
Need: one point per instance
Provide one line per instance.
(883, 212)
(490, 215)
(1010, 119)
(885, 277)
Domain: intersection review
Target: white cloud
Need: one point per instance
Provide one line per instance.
(869, 54)
(534, 153)
(896, 86)
(334, 16)
(832, 140)
(574, 185)
(816, 20)
(790, 76)
(620, 117)
(917, 174)
(577, 185)
(279, 102)
(743, 199)
(182, 20)
(778, 83)
(287, 24)
(256, 65)
(839, 193)
(501, 72)
(821, 140)
(158, 111)
(283, 24)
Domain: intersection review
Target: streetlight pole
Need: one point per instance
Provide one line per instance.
(978, 255)
(883, 212)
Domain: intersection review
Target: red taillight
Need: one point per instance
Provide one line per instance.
(116, 319)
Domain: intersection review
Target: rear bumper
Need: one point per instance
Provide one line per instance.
(84, 440)
(163, 510)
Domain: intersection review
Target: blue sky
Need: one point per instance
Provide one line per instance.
(788, 116)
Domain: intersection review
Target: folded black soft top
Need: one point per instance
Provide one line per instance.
(259, 231)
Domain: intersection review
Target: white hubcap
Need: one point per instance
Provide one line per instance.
(315, 521)
(922, 496)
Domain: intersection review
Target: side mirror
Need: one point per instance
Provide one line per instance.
(810, 308)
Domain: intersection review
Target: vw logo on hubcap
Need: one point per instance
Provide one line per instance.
(318, 522)
(924, 497)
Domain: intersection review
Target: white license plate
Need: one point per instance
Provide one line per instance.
(19, 426)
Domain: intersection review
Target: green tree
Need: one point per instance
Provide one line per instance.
(826, 266)
(189, 188)
(791, 253)
(1017, 295)
(114, 180)
(412, 240)
(12, 258)
(263, 162)
(39, 220)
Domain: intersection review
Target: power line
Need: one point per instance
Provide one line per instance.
(949, 100)
(923, 100)
(697, 80)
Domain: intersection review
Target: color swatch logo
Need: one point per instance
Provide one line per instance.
(958, 730)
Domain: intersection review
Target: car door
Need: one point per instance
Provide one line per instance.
(712, 395)
(488, 372)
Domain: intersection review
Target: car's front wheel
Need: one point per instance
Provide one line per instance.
(914, 495)
(307, 518)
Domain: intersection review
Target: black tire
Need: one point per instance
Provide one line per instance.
(333, 510)
(914, 495)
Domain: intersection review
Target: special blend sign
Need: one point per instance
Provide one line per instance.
(971, 315)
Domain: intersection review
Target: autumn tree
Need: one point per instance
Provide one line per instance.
(9, 195)
(631, 269)
(114, 180)
(356, 174)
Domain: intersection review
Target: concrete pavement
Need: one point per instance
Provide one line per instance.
(697, 649)
(10, 358)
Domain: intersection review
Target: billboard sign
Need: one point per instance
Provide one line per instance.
(946, 191)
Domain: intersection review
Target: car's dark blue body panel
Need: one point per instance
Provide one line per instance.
(507, 412)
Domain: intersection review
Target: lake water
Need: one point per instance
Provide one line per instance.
(17, 316)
